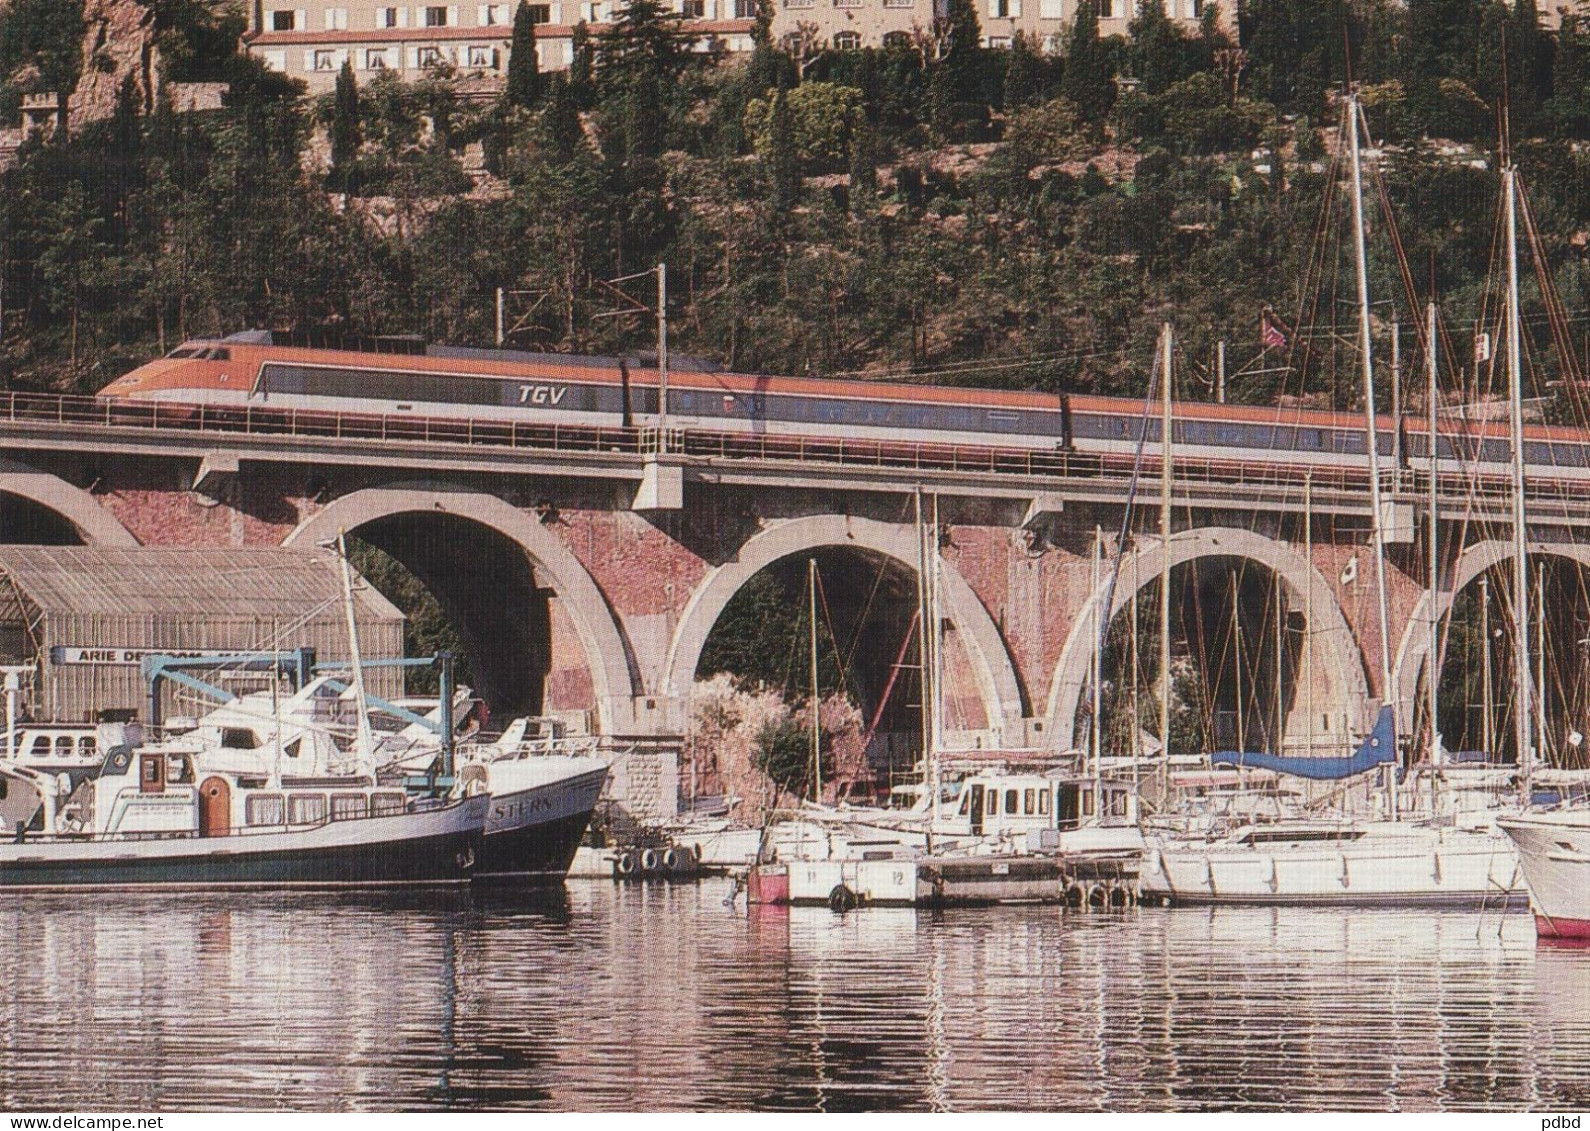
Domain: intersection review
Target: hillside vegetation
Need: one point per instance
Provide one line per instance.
(1002, 217)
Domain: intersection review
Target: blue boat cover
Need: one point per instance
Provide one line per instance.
(1378, 749)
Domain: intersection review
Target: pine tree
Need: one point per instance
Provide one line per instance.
(346, 133)
(1569, 107)
(1087, 80)
(863, 165)
(524, 69)
(582, 67)
(766, 70)
(1158, 49)
(1023, 74)
(783, 163)
(561, 119)
(955, 85)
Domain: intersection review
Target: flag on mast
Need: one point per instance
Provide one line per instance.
(1271, 333)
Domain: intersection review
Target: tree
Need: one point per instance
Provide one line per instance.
(782, 160)
(346, 133)
(1087, 82)
(1023, 74)
(769, 67)
(582, 66)
(43, 41)
(863, 166)
(1158, 48)
(955, 84)
(524, 68)
(561, 119)
(1569, 106)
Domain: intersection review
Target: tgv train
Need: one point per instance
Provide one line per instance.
(443, 382)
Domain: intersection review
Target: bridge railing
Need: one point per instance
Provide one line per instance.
(266, 420)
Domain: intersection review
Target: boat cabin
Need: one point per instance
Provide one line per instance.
(996, 803)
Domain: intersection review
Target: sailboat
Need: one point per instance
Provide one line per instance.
(1395, 861)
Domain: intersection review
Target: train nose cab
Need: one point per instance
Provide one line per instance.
(195, 372)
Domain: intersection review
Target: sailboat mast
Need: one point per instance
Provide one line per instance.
(936, 634)
(817, 734)
(1166, 343)
(1523, 710)
(1371, 438)
(1098, 667)
(1431, 668)
(366, 738)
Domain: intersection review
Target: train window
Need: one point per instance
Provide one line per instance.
(220, 353)
(1008, 421)
(185, 351)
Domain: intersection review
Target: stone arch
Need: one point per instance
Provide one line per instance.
(1473, 560)
(96, 525)
(606, 651)
(990, 660)
(1335, 645)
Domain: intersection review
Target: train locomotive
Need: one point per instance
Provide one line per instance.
(255, 370)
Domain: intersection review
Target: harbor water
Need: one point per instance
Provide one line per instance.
(661, 997)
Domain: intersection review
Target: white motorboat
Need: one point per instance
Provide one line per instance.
(1554, 855)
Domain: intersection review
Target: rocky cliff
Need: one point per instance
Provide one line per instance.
(119, 44)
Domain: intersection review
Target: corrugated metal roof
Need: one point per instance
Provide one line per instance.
(154, 581)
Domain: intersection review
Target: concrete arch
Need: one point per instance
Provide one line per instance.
(996, 675)
(1472, 561)
(606, 651)
(96, 525)
(1336, 649)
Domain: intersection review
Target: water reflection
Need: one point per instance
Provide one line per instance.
(661, 997)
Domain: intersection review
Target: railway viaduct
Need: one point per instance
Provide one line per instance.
(586, 571)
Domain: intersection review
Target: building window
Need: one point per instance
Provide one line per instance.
(436, 16)
(999, 42)
(540, 13)
(897, 41)
(389, 17)
(493, 15)
(376, 60)
(1106, 9)
(482, 58)
(283, 21)
(745, 9)
(693, 9)
(428, 57)
(847, 41)
(1195, 9)
(275, 60)
(336, 19)
(325, 60)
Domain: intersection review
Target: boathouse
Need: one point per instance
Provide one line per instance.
(85, 617)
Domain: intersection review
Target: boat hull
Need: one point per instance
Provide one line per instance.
(1451, 869)
(534, 827)
(431, 847)
(1554, 854)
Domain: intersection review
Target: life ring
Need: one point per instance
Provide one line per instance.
(1097, 896)
(624, 866)
(1117, 895)
(650, 861)
(672, 860)
(1075, 895)
(841, 899)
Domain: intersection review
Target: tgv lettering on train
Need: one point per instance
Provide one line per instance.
(542, 394)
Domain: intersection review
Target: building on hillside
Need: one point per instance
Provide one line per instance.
(311, 39)
(853, 24)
